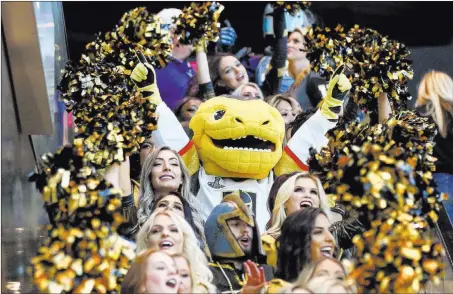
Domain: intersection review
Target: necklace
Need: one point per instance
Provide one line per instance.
(226, 277)
(228, 280)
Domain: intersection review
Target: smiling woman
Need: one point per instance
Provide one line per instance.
(305, 238)
(290, 193)
(167, 231)
(164, 173)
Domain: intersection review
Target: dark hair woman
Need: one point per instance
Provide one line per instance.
(305, 238)
(176, 203)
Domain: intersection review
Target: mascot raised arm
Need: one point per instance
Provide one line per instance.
(238, 142)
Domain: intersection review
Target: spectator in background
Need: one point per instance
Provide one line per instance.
(249, 90)
(308, 87)
(227, 72)
(175, 79)
(435, 99)
(288, 107)
(301, 19)
(185, 111)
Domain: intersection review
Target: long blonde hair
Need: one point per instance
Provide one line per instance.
(323, 284)
(147, 197)
(436, 93)
(202, 276)
(307, 273)
(278, 213)
(187, 259)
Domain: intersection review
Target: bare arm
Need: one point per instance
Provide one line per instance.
(204, 79)
(384, 108)
(125, 177)
(203, 68)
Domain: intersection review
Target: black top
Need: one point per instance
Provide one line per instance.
(443, 149)
(308, 93)
(235, 277)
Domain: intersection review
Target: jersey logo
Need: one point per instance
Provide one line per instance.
(216, 184)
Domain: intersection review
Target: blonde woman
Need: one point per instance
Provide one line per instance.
(183, 269)
(167, 231)
(288, 107)
(249, 90)
(290, 193)
(435, 99)
(327, 285)
(326, 267)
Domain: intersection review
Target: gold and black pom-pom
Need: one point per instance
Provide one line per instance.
(111, 115)
(374, 63)
(384, 174)
(82, 260)
(292, 7)
(396, 257)
(83, 251)
(73, 192)
(198, 22)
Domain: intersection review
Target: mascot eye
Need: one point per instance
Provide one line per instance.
(219, 114)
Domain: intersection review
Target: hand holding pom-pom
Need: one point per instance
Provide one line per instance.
(292, 7)
(199, 21)
(144, 76)
(112, 114)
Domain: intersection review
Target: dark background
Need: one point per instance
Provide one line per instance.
(425, 27)
(413, 23)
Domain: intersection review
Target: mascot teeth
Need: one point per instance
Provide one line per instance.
(246, 149)
(247, 143)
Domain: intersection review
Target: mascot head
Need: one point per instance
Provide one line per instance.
(238, 138)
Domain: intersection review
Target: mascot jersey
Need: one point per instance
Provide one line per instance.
(238, 144)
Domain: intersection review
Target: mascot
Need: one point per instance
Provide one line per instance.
(238, 143)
